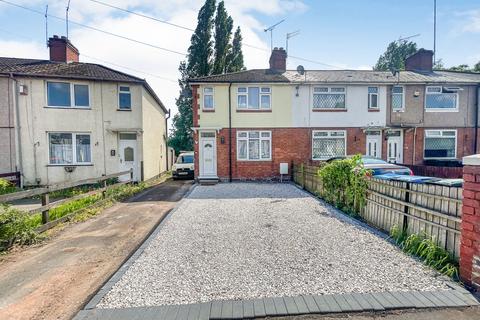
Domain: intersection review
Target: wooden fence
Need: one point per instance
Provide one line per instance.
(13, 177)
(46, 205)
(418, 208)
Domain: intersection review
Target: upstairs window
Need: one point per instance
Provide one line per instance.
(328, 144)
(397, 98)
(69, 148)
(372, 97)
(208, 98)
(67, 95)
(124, 98)
(254, 98)
(440, 144)
(440, 98)
(328, 98)
(254, 145)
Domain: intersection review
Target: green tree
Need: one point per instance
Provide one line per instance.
(234, 59)
(223, 33)
(476, 67)
(198, 63)
(461, 67)
(395, 55)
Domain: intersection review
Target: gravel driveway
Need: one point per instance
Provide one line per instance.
(246, 240)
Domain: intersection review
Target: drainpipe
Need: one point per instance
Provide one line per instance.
(166, 139)
(230, 132)
(476, 120)
(17, 124)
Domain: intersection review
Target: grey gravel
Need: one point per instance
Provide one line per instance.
(252, 240)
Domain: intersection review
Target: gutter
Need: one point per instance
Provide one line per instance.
(166, 139)
(230, 132)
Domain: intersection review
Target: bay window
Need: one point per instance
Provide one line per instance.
(328, 98)
(254, 98)
(439, 98)
(440, 144)
(328, 144)
(254, 145)
(67, 148)
(67, 95)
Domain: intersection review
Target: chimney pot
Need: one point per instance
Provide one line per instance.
(62, 50)
(278, 60)
(422, 60)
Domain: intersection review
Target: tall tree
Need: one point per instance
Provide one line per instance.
(198, 64)
(476, 67)
(234, 59)
(223, 33)
(395, 55)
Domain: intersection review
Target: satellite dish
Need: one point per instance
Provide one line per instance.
(301, 70)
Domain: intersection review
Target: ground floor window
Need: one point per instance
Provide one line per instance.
(254, 145)
(328, 144)
(69, 148)
(440, 144)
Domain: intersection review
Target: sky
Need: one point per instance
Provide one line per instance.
(341, 34)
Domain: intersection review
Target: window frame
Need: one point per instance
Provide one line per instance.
(72, 95)
(455, 109)
(74, 149)
(370, 98)
(328, 137)
(209, 94)
(119, 91)
(260, 139)
(441, 136)
(402, 109)
(329, 92)
(260, 94)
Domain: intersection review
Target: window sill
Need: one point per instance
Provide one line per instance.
(373, 110)
(208, 110)
(329, 110)
(253, 110)
(71, 165)
(256, 160)
(124, 109)
(69, 108)
(440, 110)
(398, 110)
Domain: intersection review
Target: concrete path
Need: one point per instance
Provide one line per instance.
(54, 279)
(234, 251)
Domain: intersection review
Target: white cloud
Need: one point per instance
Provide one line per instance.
(470, 21)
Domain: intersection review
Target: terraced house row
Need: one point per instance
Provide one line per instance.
(248, 123)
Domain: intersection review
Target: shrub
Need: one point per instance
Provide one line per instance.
(425, 248)
(15, 227)
(344, 183)
(6, 186)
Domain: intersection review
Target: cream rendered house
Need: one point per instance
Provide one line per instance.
(67, 120)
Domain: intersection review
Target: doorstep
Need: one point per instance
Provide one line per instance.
(208, 180)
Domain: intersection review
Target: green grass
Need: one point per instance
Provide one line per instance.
(6, 187)
(425, 248)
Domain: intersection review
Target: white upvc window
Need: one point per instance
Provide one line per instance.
(373, 98)
(67, 95)
(398, 98)
(254, 98)
(67, 148)
(328, 143)
(440, 144)
(438, 98)
(124, 98)
(208, 103)
(329, 97)
(254, 145)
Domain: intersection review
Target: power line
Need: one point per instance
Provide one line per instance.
(95, 29)
(98, 59)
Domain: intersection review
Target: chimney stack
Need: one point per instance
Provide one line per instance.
(278, 60)
(62, 50)
(422, 60)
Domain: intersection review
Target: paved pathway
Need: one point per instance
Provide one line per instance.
(255, 250)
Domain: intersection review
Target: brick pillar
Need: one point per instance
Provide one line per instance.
(470, 226)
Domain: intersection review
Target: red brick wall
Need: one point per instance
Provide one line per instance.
(470, 227)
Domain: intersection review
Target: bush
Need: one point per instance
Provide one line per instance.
(344, 183)
(425, 248)
(6, 186)
(15, 227)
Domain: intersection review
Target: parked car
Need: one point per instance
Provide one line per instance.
(184, 167)
(379, 166)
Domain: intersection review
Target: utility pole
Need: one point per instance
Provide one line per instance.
(46, 25)
(66, 15)
(271, 32)
(434, 31)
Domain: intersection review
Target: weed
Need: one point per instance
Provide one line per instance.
(15, 227)
(6, 186)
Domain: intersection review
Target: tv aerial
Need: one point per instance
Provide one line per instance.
(271, 32)
(290, 35)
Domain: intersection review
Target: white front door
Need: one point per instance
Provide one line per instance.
(395, 147)
(374, 144)
(127, 151)
(208, 155)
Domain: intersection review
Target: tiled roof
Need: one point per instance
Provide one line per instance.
(343, 76)
(77, 70)
(71, 70)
